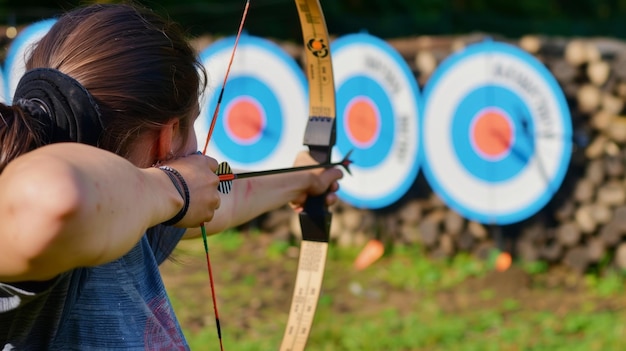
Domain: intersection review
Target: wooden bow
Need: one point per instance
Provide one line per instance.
(320, 138)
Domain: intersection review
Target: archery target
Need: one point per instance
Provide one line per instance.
(263, 112)
(19, 51)
(496, 133)
(377, 117)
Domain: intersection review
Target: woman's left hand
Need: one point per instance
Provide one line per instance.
(321, 181)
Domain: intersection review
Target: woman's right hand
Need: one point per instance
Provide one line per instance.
(202, 181)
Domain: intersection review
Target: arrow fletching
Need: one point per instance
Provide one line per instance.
(346, 162)
(225, 185)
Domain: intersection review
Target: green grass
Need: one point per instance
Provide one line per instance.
(403, 302)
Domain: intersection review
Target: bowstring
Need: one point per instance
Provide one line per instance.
(230, 63)
(206, 144)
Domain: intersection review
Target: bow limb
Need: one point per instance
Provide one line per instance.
(320, 138)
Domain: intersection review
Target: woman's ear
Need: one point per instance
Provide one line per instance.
(165, 142)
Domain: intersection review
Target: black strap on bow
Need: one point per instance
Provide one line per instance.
(66, 109)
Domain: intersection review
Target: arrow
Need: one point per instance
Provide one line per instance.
(226, 176)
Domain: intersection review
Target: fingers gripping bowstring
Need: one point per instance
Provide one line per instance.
(206, 144)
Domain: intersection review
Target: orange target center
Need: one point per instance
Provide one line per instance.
(362, 122)
(244, 120)
(492, 134)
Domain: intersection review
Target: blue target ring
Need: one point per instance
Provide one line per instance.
(520, 151)
(3, 98)
(267, 141)
(379, 149)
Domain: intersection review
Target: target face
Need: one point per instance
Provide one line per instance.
(263, 111)
(496, 133)
(377, 117)
(19, 51)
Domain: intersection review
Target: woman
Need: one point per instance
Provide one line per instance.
(83, 228)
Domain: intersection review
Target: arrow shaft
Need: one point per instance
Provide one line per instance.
(231, 176)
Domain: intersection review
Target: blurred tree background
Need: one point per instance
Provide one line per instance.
(383, 18)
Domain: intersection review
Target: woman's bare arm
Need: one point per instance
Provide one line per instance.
(252, 197)
(70, 205)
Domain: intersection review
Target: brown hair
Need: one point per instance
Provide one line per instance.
(18, 134)
(138, 66)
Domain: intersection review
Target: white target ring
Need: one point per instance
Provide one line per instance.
(497, 133)
(264, 108)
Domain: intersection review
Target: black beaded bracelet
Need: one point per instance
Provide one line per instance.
(182, 188)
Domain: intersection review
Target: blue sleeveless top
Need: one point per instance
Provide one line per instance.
(119, 305)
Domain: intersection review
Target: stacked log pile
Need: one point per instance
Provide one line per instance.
(590, 221)
(584, 225)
